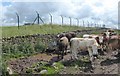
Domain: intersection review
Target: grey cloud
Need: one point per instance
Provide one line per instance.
(84, 12)
(81, 10)
(27, 10)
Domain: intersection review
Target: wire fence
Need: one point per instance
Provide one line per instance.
(56, 19)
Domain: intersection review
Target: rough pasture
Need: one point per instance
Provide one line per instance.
(37, 43)
(10, 31)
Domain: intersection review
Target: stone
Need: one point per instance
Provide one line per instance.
(43, 71)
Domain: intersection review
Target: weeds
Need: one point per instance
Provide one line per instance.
(36, 68)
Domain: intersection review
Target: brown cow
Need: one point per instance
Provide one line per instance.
(69, 35)
(113, 43)
(62, 45)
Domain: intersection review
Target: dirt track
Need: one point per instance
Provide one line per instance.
(102, 64)
(21, 64)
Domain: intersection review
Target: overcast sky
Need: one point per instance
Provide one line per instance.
(92, 11)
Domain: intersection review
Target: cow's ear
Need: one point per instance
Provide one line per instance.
(58, 36)
(104, 34)
(110, 34)
(97, 38)
(61, 40)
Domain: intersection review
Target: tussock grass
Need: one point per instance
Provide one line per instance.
(9, 31)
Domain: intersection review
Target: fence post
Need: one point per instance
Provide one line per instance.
(103, 25)
(95, 25)
(17, 19)
(62, 19)
(88, 23)
(77, 21)
(70, 21)
(37, 17)
(50, 18)
(83, 23)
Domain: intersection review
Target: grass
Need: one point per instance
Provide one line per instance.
(9, 31)
(37, 67)
(118, 31)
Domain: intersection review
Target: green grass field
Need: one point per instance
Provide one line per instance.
(9, 31)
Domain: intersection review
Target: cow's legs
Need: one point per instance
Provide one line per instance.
(101, 47)
(90, 54)
(95, 50)
(74, 54)
(65, 50)
(63, 53)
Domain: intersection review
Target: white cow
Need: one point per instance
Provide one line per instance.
(82, 44)
(99, 38)
(86, 36)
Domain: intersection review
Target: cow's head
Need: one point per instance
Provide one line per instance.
(68, 35)
(61, 35)
(108, 34)
(99, 39)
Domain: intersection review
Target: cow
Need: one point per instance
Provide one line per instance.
(108, 34)
(86, 36)
(62, 46)
(113, 43)
(99, 38)
(69, 35)
(110, 38)
(118, 55)
(82, 44)
(63, 41)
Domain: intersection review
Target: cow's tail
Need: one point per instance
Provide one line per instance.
(70, 42)
(71, 46)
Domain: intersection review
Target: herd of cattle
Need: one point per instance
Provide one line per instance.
(107, 41)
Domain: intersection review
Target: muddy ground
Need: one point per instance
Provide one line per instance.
(104, 64)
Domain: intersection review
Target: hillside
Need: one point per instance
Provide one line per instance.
(9, 31)
(24, 53)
